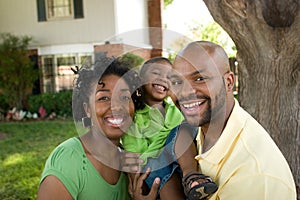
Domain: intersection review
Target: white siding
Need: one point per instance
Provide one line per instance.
(123, 20)
(20, 17)
(131, 22)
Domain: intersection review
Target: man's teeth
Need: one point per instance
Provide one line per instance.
(191, 105)
(116, 121)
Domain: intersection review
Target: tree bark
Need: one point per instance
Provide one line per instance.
(267, 37)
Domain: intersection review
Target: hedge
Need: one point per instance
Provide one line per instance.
(60, 103)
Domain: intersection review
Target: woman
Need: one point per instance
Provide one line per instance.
(88, 166)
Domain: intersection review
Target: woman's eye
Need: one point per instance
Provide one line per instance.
(104, 98)
(125, 98)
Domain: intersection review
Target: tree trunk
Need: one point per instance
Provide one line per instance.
(266, 34)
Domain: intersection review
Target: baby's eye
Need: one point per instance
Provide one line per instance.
(156, 73)
(176, 82)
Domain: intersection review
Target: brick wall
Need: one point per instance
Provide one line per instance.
(120, 49)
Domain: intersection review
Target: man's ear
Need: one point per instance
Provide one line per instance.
(87, 109)
(229, 81)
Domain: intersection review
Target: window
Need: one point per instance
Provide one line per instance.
(57, 71)
(86, 61)
(65, 76)
(59, 9)
(48, 74)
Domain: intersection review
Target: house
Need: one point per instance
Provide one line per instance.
(67, 33)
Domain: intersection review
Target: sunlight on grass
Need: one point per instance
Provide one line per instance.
(23, 154)
(13, 159)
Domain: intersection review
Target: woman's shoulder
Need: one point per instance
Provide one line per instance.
(67, 151)
(66, 162)
(72, 142)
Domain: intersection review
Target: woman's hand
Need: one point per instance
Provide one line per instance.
(136, 187)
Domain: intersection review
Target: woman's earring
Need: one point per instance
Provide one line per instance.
(86, 122)
(138, 93)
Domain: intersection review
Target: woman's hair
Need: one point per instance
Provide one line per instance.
(89, 75)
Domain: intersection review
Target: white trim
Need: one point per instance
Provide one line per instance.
(66, 49)
(131, 43)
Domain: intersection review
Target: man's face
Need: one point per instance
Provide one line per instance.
(198, 88)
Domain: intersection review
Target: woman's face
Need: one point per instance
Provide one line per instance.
(111, 106)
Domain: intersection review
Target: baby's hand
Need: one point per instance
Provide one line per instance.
(130, 162)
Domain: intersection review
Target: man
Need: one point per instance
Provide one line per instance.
(233, 148)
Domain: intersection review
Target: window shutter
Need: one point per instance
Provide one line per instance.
(41, 10)
(78, 8)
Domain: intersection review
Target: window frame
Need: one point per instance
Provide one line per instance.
(54, 81)
(77, 10)
(54, 17)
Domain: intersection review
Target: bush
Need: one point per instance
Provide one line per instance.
(17, 72)
(131, 60)
(60, 103)
(3, 103)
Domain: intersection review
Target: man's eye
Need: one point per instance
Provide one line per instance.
(200, 79)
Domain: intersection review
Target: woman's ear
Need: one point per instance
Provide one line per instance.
(87, 110)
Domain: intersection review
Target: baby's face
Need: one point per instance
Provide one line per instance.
(155, 80)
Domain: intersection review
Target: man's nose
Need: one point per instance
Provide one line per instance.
(186, 89)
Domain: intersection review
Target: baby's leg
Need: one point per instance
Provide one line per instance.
(172, 189)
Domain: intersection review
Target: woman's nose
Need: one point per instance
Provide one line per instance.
(116, 103)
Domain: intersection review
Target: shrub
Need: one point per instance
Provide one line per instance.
(17, 72)
(131, 60)
(60, 103)
(3, 103)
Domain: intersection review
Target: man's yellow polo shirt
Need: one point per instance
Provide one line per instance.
(246, 163)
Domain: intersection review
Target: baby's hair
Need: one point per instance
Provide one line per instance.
(152, 61)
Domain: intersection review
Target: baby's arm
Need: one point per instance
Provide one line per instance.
(196, 185)
(185, 150)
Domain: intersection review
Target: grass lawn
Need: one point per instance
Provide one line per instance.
(24, 148)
